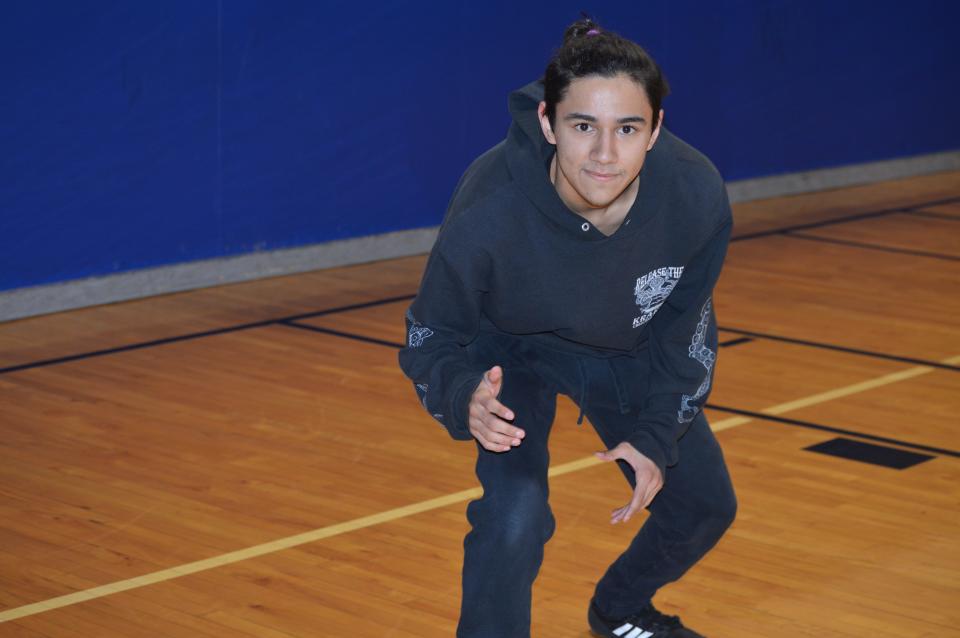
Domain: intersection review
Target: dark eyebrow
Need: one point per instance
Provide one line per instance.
(590, 118)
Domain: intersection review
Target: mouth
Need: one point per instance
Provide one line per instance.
(602, 177)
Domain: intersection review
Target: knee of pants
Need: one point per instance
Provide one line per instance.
(718, 514)
(701, 517)
(516, 518)
(529, 396)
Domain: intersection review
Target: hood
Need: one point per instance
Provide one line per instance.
(523, 104)
(528, 156)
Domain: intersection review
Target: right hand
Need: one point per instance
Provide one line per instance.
(488, 417)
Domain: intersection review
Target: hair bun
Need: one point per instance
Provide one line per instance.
(581, 28)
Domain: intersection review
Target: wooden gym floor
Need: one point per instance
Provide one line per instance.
(248, 460)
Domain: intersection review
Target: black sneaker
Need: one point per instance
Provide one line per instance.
(648, 623)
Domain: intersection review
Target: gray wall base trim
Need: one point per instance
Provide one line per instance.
(827, 178)
(38, 300)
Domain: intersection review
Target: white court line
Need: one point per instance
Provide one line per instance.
(409, 510)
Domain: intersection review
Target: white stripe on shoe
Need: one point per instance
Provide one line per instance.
(637, 632)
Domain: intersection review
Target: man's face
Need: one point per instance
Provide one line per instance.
(602, 134)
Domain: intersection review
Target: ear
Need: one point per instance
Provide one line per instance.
(545, 123)
(656, 131)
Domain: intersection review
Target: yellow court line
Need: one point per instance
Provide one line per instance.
(409, 510)
(732, 422)
(838, 393)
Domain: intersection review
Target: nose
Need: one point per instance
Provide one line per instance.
(605, 149)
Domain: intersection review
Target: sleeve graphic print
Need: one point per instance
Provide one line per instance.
(707, 357)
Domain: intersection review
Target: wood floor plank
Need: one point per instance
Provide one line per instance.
(920, 410)
(384, 322)
(898, 232)
(826, 293)
(119, 324)
(766, 215)
(950, 210)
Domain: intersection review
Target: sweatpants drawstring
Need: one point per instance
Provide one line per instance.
(622, 400)
(583, 390)
(621, 395)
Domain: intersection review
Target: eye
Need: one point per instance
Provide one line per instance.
(626, 128)
(583, 127)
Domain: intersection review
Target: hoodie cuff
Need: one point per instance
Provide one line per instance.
(463, 386)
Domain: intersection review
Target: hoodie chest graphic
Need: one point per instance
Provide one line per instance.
(653, 289)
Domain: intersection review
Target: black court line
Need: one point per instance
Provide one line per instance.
(757, 415)
(198, 335)
(346, 335)
(747, 338)
(389, 300)
(933, 214)
(842, 220)
(734, 342)
(868, 246)
(828, 346)
(827, 428)
(395, 344)
(134, 346)
(356, 306)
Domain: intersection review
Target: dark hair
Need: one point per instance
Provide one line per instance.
(589, 50)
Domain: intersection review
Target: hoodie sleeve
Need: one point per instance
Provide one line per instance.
(682, 351)
(441, 322)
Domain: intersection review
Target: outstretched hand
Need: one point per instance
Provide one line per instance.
(488, 417)
(649, 480)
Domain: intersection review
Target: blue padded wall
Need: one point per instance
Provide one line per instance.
(137, 134)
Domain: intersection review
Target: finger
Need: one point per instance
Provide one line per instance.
(484, 408)
(643, 496)
(500, 439)
(497, 431)
(619, 514)
(635, 504)
(494, 429)
(614, 454)
(506, 429)
(495, 407)
(494, 377)
(488, 444)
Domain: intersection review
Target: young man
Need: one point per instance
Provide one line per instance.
(578, 256)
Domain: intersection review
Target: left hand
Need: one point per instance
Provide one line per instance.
(649, 480)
